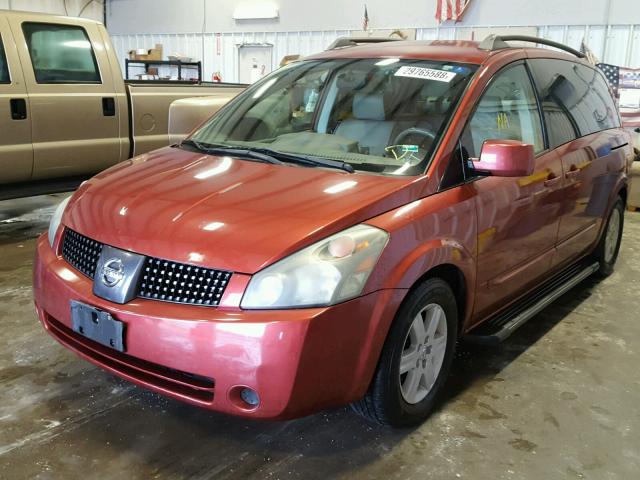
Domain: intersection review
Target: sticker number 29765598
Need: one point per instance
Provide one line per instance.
(425, 73)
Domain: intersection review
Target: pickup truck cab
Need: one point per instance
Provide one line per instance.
(330, 234)
(65, 111)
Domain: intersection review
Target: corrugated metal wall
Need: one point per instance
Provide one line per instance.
(617, 44)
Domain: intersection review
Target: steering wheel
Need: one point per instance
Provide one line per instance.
(423, 132)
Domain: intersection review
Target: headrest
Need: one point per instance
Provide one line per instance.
(490, 104)
(368, 107)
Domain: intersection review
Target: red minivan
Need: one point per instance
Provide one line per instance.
(330, 234)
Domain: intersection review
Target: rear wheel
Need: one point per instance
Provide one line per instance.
(609, 246)
(416, 358)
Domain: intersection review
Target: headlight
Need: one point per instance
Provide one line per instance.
(55, 220)
(330, 271)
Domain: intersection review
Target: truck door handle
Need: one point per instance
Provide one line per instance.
(109, 107)
(18, 108)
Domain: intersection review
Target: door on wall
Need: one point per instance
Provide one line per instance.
(254, 61)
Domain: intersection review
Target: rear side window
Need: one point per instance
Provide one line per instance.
(600, 88)
(61, 53)
(507, 110)
(575, 99)
(4, 68)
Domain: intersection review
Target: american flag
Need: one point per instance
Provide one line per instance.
(450, 9)
(612, 72)
(365, 20)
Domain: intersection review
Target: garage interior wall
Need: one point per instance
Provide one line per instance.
(206, 29)
(93, 9)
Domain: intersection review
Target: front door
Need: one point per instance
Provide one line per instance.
(16, 151)
(517, 217)
(71, 91)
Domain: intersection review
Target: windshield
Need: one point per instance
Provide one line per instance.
(383, 116)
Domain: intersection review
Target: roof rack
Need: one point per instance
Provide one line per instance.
(354, 41)
(498, 42)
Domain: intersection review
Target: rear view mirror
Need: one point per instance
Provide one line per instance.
(505, 158)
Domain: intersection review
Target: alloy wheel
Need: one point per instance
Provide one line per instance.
(611, 237)
(423, 354)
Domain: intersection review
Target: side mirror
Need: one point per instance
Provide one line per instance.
(506, 158)
(637, 130)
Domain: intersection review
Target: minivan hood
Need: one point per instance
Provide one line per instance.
(223, 212)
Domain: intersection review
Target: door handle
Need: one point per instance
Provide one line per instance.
(552, 180)
(109, 106)
(18, 108)
(572, 174)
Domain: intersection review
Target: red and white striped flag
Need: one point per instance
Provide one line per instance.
(365, 19)
(450, 9)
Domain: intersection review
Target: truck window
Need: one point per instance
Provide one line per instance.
(61, 53)
(507, 111)
(4, 69)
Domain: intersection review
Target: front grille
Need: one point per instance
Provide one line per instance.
(81, 252)
(161, 280)
(177, 282)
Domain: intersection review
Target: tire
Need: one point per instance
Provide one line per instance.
(606, 252)
(406, 399)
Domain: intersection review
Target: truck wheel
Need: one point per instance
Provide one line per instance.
(415, 359)
(609, 246)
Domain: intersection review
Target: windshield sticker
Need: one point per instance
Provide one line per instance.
(425, 73)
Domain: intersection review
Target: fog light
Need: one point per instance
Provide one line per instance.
(250, 397)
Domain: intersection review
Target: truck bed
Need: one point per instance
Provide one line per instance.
(149, 103)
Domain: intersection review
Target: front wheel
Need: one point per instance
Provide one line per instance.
(416, 358)
(606, 253)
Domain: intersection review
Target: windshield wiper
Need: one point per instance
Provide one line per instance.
(216, 149)
(266, 155)
(303, 159)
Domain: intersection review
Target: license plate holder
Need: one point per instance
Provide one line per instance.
(97, 325)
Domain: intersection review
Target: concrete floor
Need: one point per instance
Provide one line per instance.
(560, 399)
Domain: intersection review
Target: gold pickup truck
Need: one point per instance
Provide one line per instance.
(65, 110)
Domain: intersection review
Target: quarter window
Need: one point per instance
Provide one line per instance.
(61, 53)
(605, 106)
(508, 110)
(4, 68)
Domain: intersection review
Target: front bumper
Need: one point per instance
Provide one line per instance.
(299, 361)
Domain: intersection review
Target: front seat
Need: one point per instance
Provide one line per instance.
(368, 125)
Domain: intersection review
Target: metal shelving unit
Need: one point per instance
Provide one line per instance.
(164, 63)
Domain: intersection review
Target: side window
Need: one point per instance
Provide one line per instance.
(555, 90)
(507, 111)
(575, 99)
(61, 53)
(4, 68)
